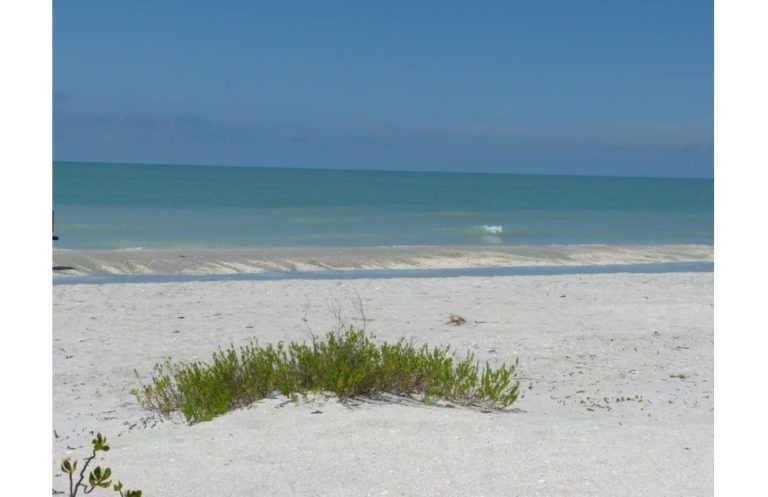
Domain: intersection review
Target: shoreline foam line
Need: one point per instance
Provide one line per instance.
(210, 262)
(352, 274)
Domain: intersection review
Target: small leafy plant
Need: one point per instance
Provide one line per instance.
(98, 477)
(348, 363)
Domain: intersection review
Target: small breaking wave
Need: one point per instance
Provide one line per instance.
(493, 230)
(485, 232)
(491, 233)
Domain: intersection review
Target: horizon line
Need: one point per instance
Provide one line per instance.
(428, 171)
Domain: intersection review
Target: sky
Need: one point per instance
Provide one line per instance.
(545, 87)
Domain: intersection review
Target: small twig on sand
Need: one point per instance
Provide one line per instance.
(306, 321)
(357, 303)
(456, 320)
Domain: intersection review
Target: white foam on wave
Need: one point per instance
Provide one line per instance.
(493, 230)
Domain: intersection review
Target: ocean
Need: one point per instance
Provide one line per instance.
(142, 206)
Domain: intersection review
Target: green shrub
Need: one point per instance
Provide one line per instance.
(347, 363)
(98, 478)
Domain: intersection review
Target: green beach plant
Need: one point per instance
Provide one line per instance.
(98, 478)
(348, 363)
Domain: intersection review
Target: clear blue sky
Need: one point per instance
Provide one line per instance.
(540, 86)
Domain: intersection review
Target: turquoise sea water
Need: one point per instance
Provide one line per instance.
(123, 206)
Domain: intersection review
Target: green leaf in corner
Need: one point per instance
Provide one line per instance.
(68, 466)
(99, 477)
(100, 443)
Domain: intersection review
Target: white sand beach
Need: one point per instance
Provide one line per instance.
(616, 373)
